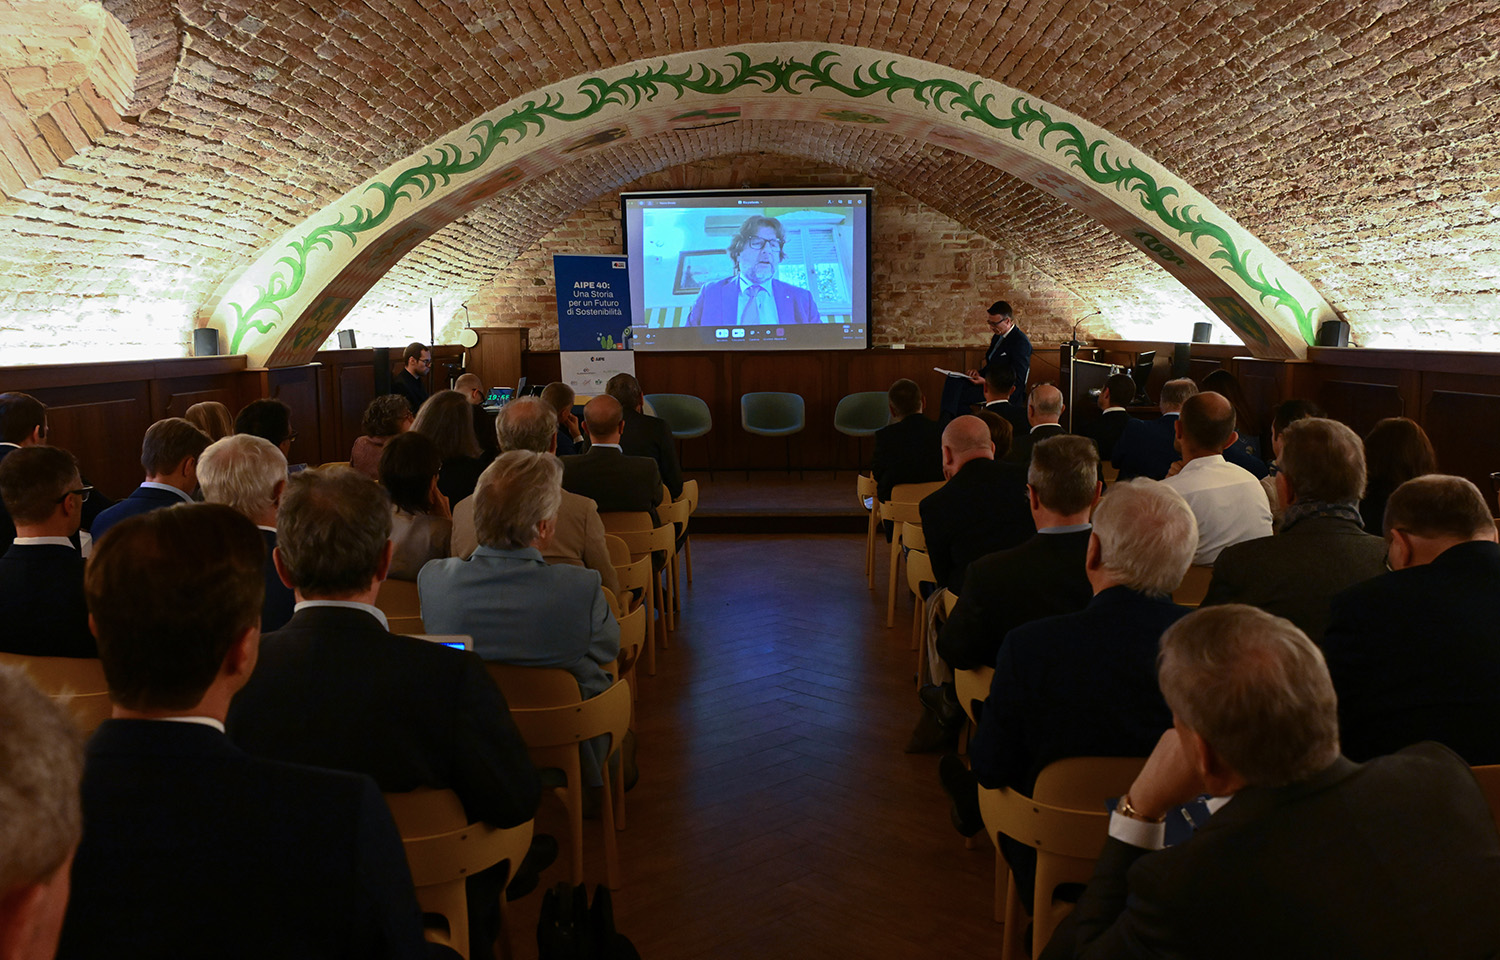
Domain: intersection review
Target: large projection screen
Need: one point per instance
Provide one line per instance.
(800, 279)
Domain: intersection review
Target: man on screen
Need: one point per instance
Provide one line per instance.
(753, 296)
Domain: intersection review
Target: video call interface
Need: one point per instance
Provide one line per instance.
(756, 270)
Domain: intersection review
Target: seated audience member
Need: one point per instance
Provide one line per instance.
(1001, 433)
(1147, 448)
(1311, 856)
(23, 423)
(570, 436)
(1396, 450)
(169, 455)
(445, 420)
(212, 417)
(42, 610)
(646, 436)
(529, 424)
(982, 507)
(1320, 548)
(1286, 414)
(519, 609)
(40, 821)
(472, 388)
(270, 419)
(384, 418)
(1084, 684)
(249, 474)
(421, 523)
(909, 449)
(606, 475)
(1118, 390)
(1226, 499)
(191, 847)
(999, 384)
(1415, 653)
(1245, 451)
(335, 688)
(411, 380)
(1044, 410)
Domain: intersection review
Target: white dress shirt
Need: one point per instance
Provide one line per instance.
(1228, 501)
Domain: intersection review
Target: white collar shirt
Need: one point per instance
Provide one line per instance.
(1228, 501)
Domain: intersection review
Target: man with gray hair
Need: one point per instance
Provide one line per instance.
(528, 423)
(1415, 653)
(41, 763)
(1147, 448)
(1083, 684)
(1044, 410)
(518, 608)
(248, 473)
(1306, 854)
(1320, 546)
(1227, 499)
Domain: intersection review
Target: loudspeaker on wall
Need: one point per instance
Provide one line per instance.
(205, 342)
(1203, 332)
(346, 339)
(1333, 333)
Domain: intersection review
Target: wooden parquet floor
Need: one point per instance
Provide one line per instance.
(776, 814)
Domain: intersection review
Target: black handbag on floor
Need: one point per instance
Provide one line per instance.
(569, 929)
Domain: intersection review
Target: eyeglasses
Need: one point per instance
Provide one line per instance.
(760, 243)
(83, 494)
(291, 438)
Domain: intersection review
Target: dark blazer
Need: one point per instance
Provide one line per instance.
(1107, 429)
(1380, 860)
(613, 480)
(410, 387)
(1242, 453)
(910, 450)
(1012, 350)
(646, 436)
(1014, 414)
(276, 609)
(1415, 655)
(718, 304)
(565, 445)
(1020, 447)
(192, 848)
(1042, 577)
(458, 476)
(1296, 573)
(142, 500)
(1145, 448)
(982, 508)
(42, 609)
(484, 432)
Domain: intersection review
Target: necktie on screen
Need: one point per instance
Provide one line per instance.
(751, 316)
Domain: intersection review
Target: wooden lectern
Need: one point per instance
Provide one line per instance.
(496, 357)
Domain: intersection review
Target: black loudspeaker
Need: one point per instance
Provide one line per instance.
(1182, 356)
(346, 339)
(1203, 332)
(205, 342)
(382, 371)
(1333, 333)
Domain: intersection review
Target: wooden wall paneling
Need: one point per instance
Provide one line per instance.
(699, 375)
(102, 424)
(354, 387)
(1360, 404)
(297, 387)
(496, 356)
(1459, 411)
(803, 372)
(545, 367)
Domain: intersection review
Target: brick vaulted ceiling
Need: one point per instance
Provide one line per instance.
(1355, 138)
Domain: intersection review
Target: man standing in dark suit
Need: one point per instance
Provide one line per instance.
(1009, 347)
(335, 688)
(1083, 684)
(192, 847)
(1305, 854)
(1320, 547)
(169, 455)
(645, 436)
(1415, 653)
(1118, 390)
(42, 610)
(410, 380)
(909, 449)
(248, 473)
(1147, 448)
(982, 508)
(607, 476)
(1044, 410)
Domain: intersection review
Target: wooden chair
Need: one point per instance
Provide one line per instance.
(443, 850)
(333, 463)
(690, 496)
(1489, 782)
(554, 720)
(633, 573)
(1194, 586)
(641, 538)
(865, 491)
(973, 685)
(677, 513)
(918, 571)
(1111, 472)
(75, 683)
(901, 508)
(402, 607)
(1065, 820)
(632, 643)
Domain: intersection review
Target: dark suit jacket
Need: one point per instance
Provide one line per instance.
(1145, 448)
(982, 508)
(907, 451)
(410, 387)
(192, 848)
(1020, 447)
(1381, 860)
(458, 476)
(142, 500)
(1014, 351)
(613, 480)
(1014, 414)
(1078, 685)
(42, 609)
(646, 436)
(484, 431)
(1296, 573)
(1242, 453)
(276, 609)
(1042, 577)
(1107, 429)
(1415, 655)
(718, 304)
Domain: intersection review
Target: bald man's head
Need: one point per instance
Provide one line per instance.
(603, 416)
(1207, 424)
(1045, 405)
(965, 438)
